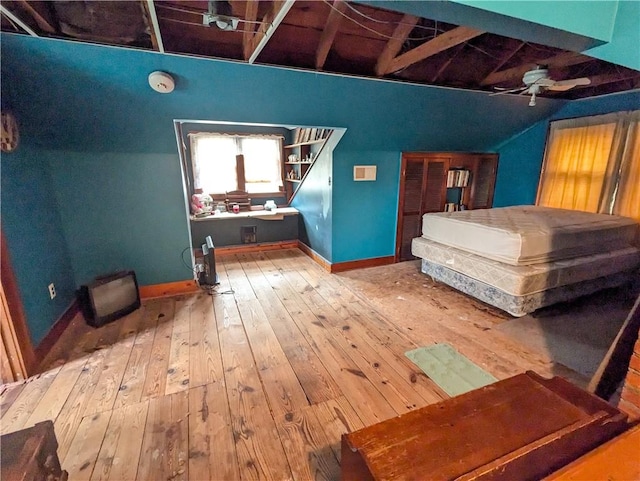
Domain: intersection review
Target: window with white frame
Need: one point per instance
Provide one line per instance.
(225, 162)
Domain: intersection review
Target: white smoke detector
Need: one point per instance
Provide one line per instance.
(161, 82)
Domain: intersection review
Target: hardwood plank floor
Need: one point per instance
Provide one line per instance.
(260, 379)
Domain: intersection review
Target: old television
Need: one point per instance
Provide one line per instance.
(109, 297)
(208, 275)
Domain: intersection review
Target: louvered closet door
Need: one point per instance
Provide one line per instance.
(484, 182)
(422, 189)
(411, 185)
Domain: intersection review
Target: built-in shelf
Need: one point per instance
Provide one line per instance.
(300, 155)
(299, 144)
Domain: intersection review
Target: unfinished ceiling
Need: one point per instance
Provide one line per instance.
(324, 35)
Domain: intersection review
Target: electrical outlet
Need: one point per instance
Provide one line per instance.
(52, 290)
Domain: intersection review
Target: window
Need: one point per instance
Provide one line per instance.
(593, 164)
(222, 163)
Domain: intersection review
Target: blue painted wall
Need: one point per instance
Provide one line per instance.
(34, 234)
(521, 157)
(122, 211)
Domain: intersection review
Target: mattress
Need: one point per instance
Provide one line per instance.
(524, 280)
(521, 305)
(524, 235)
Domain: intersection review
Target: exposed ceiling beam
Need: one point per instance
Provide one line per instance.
(156, 37)
(15, 19)
(329, 32)
(250, 15)
(394, 44)
(504, 60)
(563, 60)
(42, 22)
(442, 42)
(446, 64)
(270, 23)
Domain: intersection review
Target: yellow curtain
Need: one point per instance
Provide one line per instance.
(575, 167)
(627, 201)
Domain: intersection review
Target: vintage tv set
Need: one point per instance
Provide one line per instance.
(109, 297)
(208, 275)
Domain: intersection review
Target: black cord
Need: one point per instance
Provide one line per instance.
(191, 268)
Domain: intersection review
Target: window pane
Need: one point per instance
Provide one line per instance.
(575, 167)
(262, 164)
(215, 164)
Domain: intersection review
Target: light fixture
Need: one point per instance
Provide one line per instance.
(161, 82)
(220, 15)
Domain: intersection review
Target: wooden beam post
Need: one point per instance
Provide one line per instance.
(250, 15)
(394, 44)
(442, 42)
(270, 23)
(515, 73)
(329, 32)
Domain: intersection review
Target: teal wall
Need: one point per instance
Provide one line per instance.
(35, 237)
(591, 18)
(122, 211)
(521, 157)
(624, 46)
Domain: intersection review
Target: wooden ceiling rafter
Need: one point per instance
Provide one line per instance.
(436, 45)
(14, 18)
(446, 64)
(270, 23)
(43, 23)
(393, 46)
(250, 15)
(504, 60)
(149, 8)
(564, 59)
(329, 32)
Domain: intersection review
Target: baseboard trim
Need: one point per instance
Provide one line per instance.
(362, 263)
(324, 263)
(264, 246)
(344, 266)
(168, 289)
(56, 331)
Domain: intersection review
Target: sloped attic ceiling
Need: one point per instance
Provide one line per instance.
(324, 35)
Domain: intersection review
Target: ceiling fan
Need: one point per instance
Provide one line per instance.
(537, 81)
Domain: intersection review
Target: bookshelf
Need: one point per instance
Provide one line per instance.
(300, 156)
(457, 181)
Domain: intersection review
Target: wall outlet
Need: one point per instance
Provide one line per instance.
(52, 290)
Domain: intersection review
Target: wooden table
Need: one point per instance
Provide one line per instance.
(31, 454)
(521, 428)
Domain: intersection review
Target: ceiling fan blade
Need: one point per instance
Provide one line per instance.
(563, 85)
(508, 91)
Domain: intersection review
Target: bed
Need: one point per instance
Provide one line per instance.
(522, 258)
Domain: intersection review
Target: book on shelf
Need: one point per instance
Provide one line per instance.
(458, 178)
(453, 207)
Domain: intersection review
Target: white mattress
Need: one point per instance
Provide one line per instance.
(525, 280)
(525, 235)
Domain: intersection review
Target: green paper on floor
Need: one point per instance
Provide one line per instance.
(449, 369)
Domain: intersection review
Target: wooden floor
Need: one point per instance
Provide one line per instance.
(259, 380)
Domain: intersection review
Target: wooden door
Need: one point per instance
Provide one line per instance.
(484, 180)
(422, 190)
(12, 367)
(17, 351)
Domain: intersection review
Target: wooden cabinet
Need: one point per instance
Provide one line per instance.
(31, 455)
(437, 182)
(521, 428)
